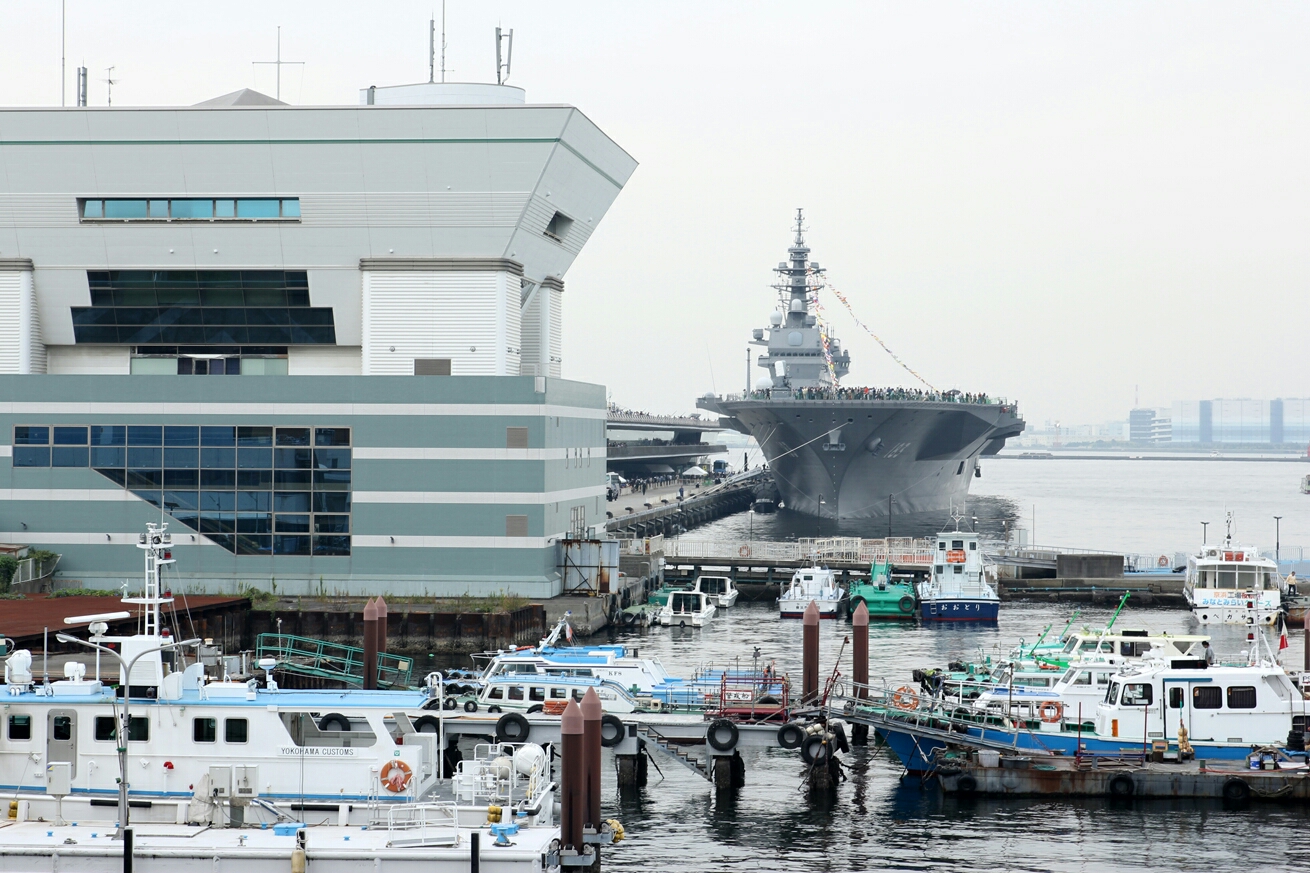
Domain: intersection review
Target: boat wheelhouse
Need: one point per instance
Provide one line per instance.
(1232, 584)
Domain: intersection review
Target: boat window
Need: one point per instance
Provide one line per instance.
(1241, 697)
(1207, 697)
(1175, 698)
(1137, 694)
(204, 730)
(236, 730)
(559, 694)
(1084, 678)
(496, 694)
(516, 692)
(1113, 694)
(536, 694)
(1227, 578)
(138, 729)
(20, 727)
(104, 729)
(1246, 577)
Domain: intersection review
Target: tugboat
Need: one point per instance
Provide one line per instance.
(958, 589)
(882, 595)
(1230, 584)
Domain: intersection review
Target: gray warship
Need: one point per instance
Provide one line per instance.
(854, 453)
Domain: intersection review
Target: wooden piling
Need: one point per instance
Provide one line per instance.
(370, 645)
(810, 655)
(572, 777)
(860, 654)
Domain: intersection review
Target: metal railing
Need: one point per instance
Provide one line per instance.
(324, 660)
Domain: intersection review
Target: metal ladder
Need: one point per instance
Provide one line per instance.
(655, 738)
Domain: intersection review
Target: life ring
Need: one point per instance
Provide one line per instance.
(1121, 785)
(1052, 711)
(395, 776)
(744, 551)
(906, 604)
(1162, 561)
(905, 698)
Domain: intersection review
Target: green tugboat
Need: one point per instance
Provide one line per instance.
(883, 596)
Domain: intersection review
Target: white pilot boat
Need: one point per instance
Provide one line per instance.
(208, 751)
(817, 585)
(1232, 584)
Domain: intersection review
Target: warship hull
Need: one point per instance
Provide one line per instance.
(868, 458)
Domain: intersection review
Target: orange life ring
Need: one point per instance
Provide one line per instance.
(395, 776)
(1051, 711)
(1162, 561)
(905, 698)
(744, 551)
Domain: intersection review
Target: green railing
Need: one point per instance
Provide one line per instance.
(324, 660)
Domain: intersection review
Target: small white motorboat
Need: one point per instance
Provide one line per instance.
(685, 608)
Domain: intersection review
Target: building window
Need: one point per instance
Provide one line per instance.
(255, 490)
(202, 308)
(191, 209)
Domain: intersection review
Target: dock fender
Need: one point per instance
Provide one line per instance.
(1236, 790)
(722, 735)
(791, 735)
(427, 724)
(966, 784)
(815, 748)
(612, 730)
(839, 736)
(1121, 785)
(512, 727)
(334, 721)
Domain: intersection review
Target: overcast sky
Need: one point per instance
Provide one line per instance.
(1053, 202)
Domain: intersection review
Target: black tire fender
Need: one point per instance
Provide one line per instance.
(334, 721)
(791, 735)
(722, 735)
(1236, 790)
(612, 730)
(512, 727)
(1121, 785)
(814, 748)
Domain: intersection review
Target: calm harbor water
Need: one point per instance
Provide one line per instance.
(878, 822)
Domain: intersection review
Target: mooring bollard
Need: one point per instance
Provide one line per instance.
(860, 653)
(572, 778)
(810, 655)
(370, 645)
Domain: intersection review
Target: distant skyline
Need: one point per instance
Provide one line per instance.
(1053, 203)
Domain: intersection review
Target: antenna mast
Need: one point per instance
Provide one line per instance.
(509, 55)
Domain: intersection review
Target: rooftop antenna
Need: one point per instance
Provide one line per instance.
(509, 54)
(279, 63)
(111, 82)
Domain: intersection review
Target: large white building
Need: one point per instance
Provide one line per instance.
(386, 282)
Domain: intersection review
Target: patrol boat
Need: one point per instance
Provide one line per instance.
(1232, 584)
(839, 452)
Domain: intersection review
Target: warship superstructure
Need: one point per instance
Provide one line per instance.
(849, 453)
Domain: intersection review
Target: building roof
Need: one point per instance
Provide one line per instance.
(244, 97)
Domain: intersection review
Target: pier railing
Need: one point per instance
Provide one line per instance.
(899, 551)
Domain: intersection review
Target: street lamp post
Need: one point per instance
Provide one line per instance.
(125, 679)
(1277, 525)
